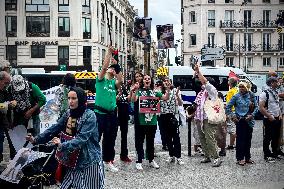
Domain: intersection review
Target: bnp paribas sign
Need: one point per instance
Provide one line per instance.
(24, 43)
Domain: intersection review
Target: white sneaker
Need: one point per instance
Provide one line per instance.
(154, 164)
(217, 162)
(110, 167)
(179, 161)
(139, 166)
(170, 160)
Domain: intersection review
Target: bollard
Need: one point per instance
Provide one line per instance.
(189, 136)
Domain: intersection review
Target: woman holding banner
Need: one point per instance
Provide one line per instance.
(148, 107)
(78, 149)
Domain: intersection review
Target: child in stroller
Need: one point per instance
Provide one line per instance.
(30, 169)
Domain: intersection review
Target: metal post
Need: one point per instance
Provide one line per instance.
(168, 57)
(189, 136)
(146, 53)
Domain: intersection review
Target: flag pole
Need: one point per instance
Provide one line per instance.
(108, 24)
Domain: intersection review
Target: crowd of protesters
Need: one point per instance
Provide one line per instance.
(21, 101)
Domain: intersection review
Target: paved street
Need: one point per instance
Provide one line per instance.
(195, 175)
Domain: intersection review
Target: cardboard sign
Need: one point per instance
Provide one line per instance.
(149, 104)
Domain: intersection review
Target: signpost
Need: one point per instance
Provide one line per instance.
(212, 54)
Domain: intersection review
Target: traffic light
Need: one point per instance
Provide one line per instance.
(177, 60)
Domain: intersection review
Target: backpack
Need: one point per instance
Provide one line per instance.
(258, 115)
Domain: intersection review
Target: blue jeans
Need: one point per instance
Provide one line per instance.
(107, 124)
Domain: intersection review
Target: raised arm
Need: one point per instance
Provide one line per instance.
(106, 63)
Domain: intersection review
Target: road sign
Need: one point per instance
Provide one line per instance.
(211, 57)
(211, 51)
(279, 30)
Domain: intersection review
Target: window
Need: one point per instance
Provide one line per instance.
(186, 82)
(192, 39)
(281, 1)
(281, 62)
(266, 17)
(266, 1)
(37, 5)
(248, 41)
(37, 51)
(266, 61)
(229, 41)
(119, 27)
(229, 61)
(63, 6)
(250, 62)
(229, 1)
(110, 19)
(86, 28)
(103, 11)
(281, 41)
(211, 40)
(63, 55)
(115, 24)
(86, 6)
(63, 27)
(38, 26)
(11, 26)
(211, 18)
(247, 18)
(192, 17)
(266, 41)
(10, 5)
(229, 17)
(211, 1)
(11, 52)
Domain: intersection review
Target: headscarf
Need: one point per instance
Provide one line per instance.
(245, 84)
(21, 93)
(82, 99)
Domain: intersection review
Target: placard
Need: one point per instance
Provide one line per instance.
(149, 104)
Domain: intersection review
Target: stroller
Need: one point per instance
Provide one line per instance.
(30, 169)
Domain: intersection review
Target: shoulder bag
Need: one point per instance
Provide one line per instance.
(215, 111)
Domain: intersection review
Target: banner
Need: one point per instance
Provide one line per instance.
(149, 104)
(165, 35)
(50, 111)
(142, 30)
(13, 172)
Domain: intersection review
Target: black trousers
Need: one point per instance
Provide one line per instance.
(171, 134)
(107, 124)
(271, 133)
(243, 140)
(123, 125)
(163, 132)
(142, 131)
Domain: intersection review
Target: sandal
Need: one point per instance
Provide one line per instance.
(250, 161)
(241, 162)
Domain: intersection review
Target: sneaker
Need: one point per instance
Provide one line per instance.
(229, 147)
(126, 159)
(170, 160)
(139, 166)
(154, 164)
(217, 162)
(222, 153)
(205, 160)
(179, 161)
(280, 153)
(110, 167)
(270, 159)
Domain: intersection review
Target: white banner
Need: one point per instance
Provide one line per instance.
(50, 111)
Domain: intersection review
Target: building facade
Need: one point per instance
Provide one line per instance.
(246, 29)
(62, 34)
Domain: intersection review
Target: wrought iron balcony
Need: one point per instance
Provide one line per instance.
(248, 24)
(11, 34)
(254, 48)
(63, 33)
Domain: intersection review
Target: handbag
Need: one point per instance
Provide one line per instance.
(174, 121)
(66, 158)
(215, 111)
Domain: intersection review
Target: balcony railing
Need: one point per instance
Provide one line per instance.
(63, 33)
(11, 34)
(248, 24)
(86, 35)
(254, 48)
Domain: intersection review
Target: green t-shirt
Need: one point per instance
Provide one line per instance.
(105, 94)
(142, 117)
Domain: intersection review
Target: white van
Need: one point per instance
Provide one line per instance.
(183, 76)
